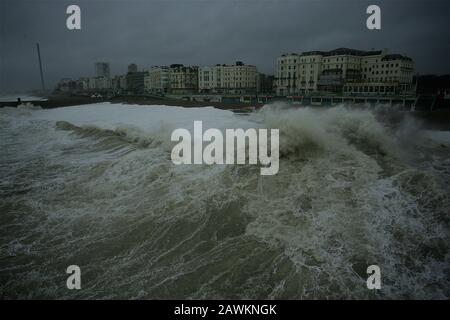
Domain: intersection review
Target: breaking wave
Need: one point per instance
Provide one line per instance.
(94, 186)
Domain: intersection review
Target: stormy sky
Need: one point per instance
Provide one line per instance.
(206, 32)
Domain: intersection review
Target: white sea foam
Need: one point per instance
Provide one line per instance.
(23, 98)
(438, 136)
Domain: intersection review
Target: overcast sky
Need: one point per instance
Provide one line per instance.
(206, 32)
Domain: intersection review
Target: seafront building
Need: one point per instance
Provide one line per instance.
(264, 84)
(228, 79)
(102, 83)
(157, 80)
(341, 72)
(102, 69)
(286, 74)
(239, 78)
(221, 79)
(66, 85)
(347, 71)
(132, 67)
(209, 79)
(135, 82)
(183, 79)
(119, 84)
(83, 83)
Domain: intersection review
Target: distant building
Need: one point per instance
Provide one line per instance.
(228, 79)
(265, 84)
(157, 80)
(209, 79)
(102, 83)
(92, 83)
(286, 75)
(132, 68)
(135, 82)
(239, 78)
(119, 84)
(102, 69)
(66, 86)
(348, 71)
(182, 79)
(83, 84)
(69, 86)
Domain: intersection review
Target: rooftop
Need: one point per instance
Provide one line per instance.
(343, 51)
(390, 57)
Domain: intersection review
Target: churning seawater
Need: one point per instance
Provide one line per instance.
(94, 186)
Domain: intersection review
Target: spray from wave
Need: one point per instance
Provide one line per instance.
(94, 186)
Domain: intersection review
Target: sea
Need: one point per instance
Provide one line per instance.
(94, 186)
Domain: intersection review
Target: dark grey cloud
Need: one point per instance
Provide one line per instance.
(203, 32)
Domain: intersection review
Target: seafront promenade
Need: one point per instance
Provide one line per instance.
(419, 108)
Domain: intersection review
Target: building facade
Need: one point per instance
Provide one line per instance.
(102, 83)
(132, 67)
(239, 78)
(264, 84)
(83, 85)
(347, 71)
(182, 79)
(66, 86)
(119, 83)
(135, 82)
(386, 74)
(209, 79)
(286, 74)
(228, 79)
(102, 69)
(157, 80)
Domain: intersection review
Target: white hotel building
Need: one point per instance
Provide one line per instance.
(228, 79)
(347, 71)
(157, 80)
(183, 79)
